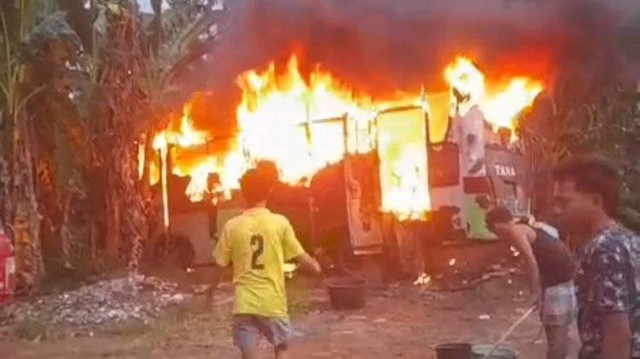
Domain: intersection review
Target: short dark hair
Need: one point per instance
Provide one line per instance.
(496, 215)
(255, 186)
(269, 170)
(592, 174)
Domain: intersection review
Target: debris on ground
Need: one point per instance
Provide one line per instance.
(423, 279)
(101, 305)
(494, 274)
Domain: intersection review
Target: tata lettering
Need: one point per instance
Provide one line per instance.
(504, 171)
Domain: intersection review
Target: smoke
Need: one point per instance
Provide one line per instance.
(380, 46)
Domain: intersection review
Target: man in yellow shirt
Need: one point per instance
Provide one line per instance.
(257, 244)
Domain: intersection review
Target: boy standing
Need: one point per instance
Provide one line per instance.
(256, 244)
(608, 279)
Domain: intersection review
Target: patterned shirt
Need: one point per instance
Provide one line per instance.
(608, 282)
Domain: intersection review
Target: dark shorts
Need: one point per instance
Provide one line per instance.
(247, 330)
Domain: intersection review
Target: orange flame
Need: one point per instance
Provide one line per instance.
(402, 153)
(305, 124)
(142, 156)
(465, 77)
(280, 119)
(502, 109)
(502, 106)
(160, 144)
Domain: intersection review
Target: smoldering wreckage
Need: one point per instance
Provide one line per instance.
(384, 174)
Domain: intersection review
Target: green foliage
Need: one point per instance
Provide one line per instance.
(52, 29)
(569, 122)
(631, 218)
(175, 39)
(79, 85)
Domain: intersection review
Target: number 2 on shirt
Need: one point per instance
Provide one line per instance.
(257, 244)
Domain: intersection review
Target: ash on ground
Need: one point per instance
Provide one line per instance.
(103, 305)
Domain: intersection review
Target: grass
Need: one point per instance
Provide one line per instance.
(31, 330)
(131, 327)
(177, 320)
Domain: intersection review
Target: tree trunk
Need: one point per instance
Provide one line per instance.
(113, 219)
(27, 219)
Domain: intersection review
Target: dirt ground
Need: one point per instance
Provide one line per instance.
(399, 320)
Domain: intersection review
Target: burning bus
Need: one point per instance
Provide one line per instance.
(362, 161)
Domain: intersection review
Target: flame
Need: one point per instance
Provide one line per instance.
(141, 156)
(503, 108)
(423, 279)
(160, 144)
(465, 77)
(502, 105)
(304, 123)
(402, 150)
(286, 120)
(184, 136)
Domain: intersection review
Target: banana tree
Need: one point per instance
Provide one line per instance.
(175, 39)
(27, 28)
(132, 64)
(99, 83)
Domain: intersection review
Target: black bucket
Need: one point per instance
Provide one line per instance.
(453, 351)
(346, 292)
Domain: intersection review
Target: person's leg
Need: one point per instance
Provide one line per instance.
(245, 335)
(557, 314)
(557, 341)
(278, 332)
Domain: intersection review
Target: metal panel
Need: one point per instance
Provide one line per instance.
(508, 174)
(403, 158)
(363, 194)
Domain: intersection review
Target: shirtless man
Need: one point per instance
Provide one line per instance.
(551, 271)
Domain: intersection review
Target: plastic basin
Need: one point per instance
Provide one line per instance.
(346, 292)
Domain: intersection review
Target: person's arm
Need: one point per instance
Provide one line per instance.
(306, 262)
(616, 336)
(611, 299)
(519, 237)
(294, 251)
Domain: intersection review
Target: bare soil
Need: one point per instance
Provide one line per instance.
(399, 321)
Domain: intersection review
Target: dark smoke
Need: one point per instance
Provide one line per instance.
(380, 46)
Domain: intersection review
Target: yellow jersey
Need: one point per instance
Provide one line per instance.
(256, 244)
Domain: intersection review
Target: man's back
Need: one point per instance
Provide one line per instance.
(609, 282)
(257, 243)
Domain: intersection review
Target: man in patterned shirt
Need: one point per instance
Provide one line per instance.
(608, 278)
